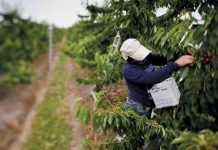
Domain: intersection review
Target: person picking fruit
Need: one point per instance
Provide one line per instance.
(140, 75)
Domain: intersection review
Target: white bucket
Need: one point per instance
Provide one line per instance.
(166, 93)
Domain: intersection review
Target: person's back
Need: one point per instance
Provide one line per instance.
(136, 90)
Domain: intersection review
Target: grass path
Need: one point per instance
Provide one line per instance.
(54, 127)
(50, 128)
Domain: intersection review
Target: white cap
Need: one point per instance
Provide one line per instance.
(133, 49)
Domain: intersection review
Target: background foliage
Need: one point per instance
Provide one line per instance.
(22, 42)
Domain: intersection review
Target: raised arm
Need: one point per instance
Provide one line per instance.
(136, 75)
(139, 76)
(156, 59)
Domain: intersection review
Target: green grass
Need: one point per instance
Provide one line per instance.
(50, 130)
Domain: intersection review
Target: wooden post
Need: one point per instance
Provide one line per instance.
(50, 29)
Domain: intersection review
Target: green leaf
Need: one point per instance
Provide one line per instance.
(210, 98)
(185, 72)
(110, 120)
(117, 122)
(163, 132)
(177, 140)
(154, 29)
(163, 40)
(105, 121)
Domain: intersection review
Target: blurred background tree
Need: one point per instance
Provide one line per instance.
(22, 42)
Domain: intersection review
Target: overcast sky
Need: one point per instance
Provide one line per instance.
(62, 13)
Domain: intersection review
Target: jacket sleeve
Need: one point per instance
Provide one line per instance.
(159, 60)
(156, 59)
(139, 76)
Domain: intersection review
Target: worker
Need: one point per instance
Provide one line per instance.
(140, 75)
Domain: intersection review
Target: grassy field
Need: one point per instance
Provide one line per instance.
(51, 129)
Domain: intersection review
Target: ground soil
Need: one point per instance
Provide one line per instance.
(19, 105)
(75, 91)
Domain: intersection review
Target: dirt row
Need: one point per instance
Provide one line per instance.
(75, 91)
(19, 103)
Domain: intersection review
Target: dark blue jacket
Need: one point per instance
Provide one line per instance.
(141, 77)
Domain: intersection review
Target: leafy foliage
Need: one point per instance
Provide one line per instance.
(205, 139)
(23, 41)
(131, 128)
(198, 83)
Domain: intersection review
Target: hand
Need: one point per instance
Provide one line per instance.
(185, 60)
